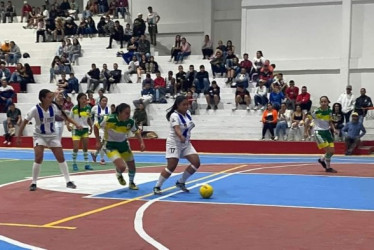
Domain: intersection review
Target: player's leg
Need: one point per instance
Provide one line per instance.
(328, 155)
(59, 155)
(190, 154)
(38, 159)
(119, 163)
(85, 152)
(325, 141)
(172, 163)
(76, 140)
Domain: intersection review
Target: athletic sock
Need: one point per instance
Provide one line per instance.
(328, 161)
(64, 170)
(131, 175)
(185, 176)
(85, 157)
(102, 154)
(161, 181)
(35, 172)
(74, 155)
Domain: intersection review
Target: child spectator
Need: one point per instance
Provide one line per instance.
(11, 132)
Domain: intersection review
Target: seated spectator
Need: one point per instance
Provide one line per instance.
(303, 99)
(86, 13)
(82, 28)
(10, 12)
(347, 100)
(93, 76)
(138, 25)
(8, 136)
(180, 79)
(266, 74)
(50, 27)
(278, 80)
(242, 96)
(128, 33)
(291, 94)
(144, 47)
(14, 54)
(4, 72)
(5, 49)
(171, 86)
(185, 51)
(229, 46)
(147, 96)
(258, 61)
(26, 77)
(337, 118)
(261, 96)
(121, 7)
(247, 64)
(91, 99)
(308, 126)
(74, 8)
(282, 124)
(33, 18)
(207, 48)
(140, 116)
(40, 29)
(151, 66)
(115, 77)
(75, 52)
(91, 27)
(353, 131)
(212, 96)
(103, 6)
(276, 97)
(14, 117)
(132, 47)
(201, 81)
(190, 78)
(362, 103)
(59, 29)
(148, 79)
(141, 69)
(176, 48)
(132, 69)
(221, 47)
(117, 34)
(70, 27)
(18, 73)
(241, 79)
(26, 9)
(6, 95)
(73, 85)
(192, 101)
(218, 63)
(231, 64)
(65, 6)
(109, 26)
(160, 87)
(62, 84)
(297, 124)
(100, 27)
(269, 120)
(68, 105)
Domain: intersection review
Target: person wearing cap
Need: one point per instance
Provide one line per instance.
(139, 26)
(347, 100)
(363, 102)
(152, 19)
(353, 132)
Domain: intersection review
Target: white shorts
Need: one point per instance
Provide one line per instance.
(179, 150)
(50, 142)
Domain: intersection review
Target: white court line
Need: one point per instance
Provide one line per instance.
(19, 244)
(7, 160)
(138, 221)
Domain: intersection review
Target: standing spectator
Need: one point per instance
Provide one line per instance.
(201, 80)
(269, 120)
(347, 100)
(116, 35)
(152, 19)
(6, 94)
(303, 99)
(291, 94)
(212, 96)
(13, 117)
(353, 132)
(261, 96)
(9, 12)
(362, 103)
(14, 54)
(159, 86)
(207, 48)
(26, 9)
(4, 72)
(139, 26)
(185, 51)
(242, 96)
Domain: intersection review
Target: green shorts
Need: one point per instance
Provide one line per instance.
(79, 134)
(115, 150)
(324, 138)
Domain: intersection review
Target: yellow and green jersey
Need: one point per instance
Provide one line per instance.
(322, 119)
(81, 116)
(116, 130)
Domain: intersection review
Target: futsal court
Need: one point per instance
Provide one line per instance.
(259, 202)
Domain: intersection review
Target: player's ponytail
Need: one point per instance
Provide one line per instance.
(177, 101)
(79, 105)
(59, 108)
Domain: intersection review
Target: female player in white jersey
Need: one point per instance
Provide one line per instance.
(45, 135)
(178, 144)
(98, 112)
(81, 114)
(59, 120)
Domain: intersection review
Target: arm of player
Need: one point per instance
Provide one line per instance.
(178, 132)
(70, 120)
(97, 135)
(20, 131)
(138, 135)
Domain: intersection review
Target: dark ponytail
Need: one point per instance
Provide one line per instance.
(177, 101)
(59, 108)
(79, 106)
(121, 107)
(43, 93)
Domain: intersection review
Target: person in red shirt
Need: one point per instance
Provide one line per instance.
(304, 99)
(291, 94)
(247, 64)
(159, 85)
(26, 9)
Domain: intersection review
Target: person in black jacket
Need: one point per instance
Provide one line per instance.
(117, 35)
(139, 26)
(362, 103)
(115, 77)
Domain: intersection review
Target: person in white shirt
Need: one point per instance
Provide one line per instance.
(347, 100)
(45, 135)
(152, 19)
(178, 144)
(261, 95)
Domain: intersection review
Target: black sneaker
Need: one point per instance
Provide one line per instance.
(323, 163)
(71, 185)
(182, 186)
(32, 187)
(157, 190)
(208, 107)
(331, 170)
(215, 107)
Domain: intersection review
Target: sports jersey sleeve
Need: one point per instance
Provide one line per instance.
(102, 123)
(31, 114)
(174, 120)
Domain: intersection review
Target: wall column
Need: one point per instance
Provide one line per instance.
(346, 41)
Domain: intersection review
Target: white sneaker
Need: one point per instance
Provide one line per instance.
(255, 108)
(276, 138)
(5, 142)
(263, 108)
(234, 108)
(9, 143)
(285, 138)
(248, 108)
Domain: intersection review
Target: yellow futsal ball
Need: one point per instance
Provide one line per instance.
(206, 191)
